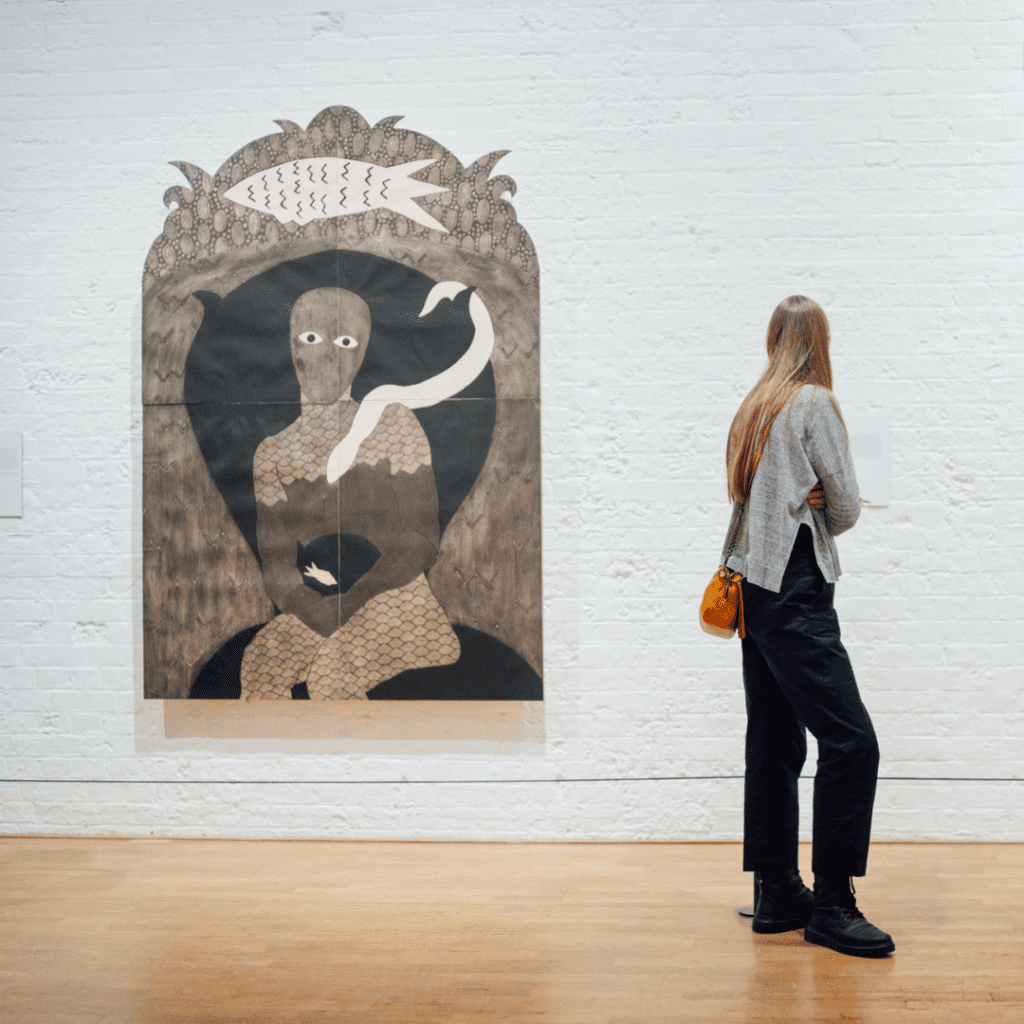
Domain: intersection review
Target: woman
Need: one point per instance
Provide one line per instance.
(796, 672)
(344, 556)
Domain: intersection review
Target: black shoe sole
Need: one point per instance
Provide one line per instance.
(829, 941)
(770, 927)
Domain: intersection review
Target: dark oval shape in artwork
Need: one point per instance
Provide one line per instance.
(345, 556)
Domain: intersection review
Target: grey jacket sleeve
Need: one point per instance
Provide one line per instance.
(824, 444)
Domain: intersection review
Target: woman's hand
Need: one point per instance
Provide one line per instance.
(816, 497)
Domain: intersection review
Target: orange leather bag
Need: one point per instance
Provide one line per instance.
(721, 611)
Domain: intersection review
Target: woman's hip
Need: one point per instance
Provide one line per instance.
(804, 602)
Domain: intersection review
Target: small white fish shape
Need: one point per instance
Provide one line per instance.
(334, 186)
(320, 575)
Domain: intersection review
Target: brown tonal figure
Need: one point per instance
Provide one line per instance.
(343, 561)
(344, 406)
(373, 529)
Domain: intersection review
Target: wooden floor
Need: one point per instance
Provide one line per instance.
(215, 931)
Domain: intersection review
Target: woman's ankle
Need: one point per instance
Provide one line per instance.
(834, 891)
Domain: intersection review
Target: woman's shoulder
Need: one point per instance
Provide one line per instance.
(813, 409)
(810, 398)
(799, 403)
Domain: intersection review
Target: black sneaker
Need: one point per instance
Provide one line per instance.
(781, 902)
(846, 930)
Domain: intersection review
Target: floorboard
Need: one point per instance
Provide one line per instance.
(281, 932)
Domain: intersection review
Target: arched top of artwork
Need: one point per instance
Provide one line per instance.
(429, 195)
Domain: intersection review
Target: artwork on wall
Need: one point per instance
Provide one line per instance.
(341, 456)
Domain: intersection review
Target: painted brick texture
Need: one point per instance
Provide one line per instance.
(681, 167)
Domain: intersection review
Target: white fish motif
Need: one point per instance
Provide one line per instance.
(313, 571)
(333, 186)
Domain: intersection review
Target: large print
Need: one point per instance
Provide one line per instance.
(341, 423)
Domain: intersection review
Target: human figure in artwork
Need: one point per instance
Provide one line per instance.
(796, 672)
(344, 557)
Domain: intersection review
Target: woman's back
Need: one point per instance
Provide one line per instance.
(807, 443)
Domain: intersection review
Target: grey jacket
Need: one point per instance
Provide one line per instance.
(811, 447)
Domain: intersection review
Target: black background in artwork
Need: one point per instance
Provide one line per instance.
(346, 556)
(460, 433)
(240, 383)
(487, 669)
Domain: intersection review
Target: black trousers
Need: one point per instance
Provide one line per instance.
(797, 676)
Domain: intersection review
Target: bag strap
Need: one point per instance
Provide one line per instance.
(739, 518)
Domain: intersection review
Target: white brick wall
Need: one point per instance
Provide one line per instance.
(681, 167)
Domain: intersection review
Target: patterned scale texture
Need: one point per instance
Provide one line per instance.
(398, 437)
(278, 658)
(302, 449)
(394, 631)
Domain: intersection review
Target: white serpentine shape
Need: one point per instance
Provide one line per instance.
(449, 382)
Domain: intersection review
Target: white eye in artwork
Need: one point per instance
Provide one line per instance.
(310, 338)
(346, 341)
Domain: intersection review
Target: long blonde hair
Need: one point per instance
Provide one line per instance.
(797, 343)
